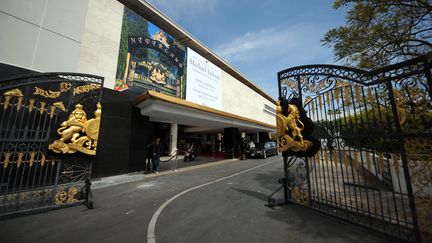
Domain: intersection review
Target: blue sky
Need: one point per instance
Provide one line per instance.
(259, 37)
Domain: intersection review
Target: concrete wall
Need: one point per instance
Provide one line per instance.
(101, 40)
(42, 35)
(239, 99)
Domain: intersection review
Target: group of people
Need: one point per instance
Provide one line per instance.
(155, 150)
(245, 148)
(152, 162)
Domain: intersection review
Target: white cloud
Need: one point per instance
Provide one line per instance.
(271, 42)
(261, 54)
(252, 43)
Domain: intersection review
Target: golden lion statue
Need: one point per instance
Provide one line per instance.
(290, 125)
(75, 124)
(292, 120)
(72, 130)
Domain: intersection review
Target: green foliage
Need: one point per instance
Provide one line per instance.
(137, 25)
(381, 32)
(123, 49)
(367, 129)
(374, 128)
(132, 25)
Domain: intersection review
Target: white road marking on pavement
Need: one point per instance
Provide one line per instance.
(151, 237)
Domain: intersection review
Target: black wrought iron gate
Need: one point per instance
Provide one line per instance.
(374, 167)
(38, 112)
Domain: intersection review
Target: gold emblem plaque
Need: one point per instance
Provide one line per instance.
(77, 133)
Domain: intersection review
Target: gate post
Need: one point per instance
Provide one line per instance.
(285, 180)
(309, 193)
(401, 139)
(309, 196)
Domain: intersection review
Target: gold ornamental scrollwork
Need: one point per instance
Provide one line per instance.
(66, 197)
(292, 84)
(289, 130)
(13, 93)
(64, 87)
(46, 93)
(60, 105)
(61, 197)
(299, 195)
(85, 88)
(77, 133)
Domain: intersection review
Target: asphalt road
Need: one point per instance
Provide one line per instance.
(220, 203)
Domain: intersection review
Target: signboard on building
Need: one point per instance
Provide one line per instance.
(149, 58)
(203, 84)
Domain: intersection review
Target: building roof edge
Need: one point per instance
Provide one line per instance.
(153, 95)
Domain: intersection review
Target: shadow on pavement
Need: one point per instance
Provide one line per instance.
(269, 180)
(319, 227)
(258, 195)
(305, 224)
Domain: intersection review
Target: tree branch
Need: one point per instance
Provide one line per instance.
(421, 31)
(421, 41)
(425, 4)
(422, 17)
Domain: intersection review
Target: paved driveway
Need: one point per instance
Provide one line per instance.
(219, 203)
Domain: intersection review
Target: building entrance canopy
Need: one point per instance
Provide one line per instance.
(164, 108)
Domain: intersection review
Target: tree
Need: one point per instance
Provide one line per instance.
(121, 63)
(133, 24)
(381, 32)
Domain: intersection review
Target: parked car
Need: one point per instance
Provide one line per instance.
(264, 149)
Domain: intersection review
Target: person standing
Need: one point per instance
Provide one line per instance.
(156, 150)
(243, 146)
(148, 159)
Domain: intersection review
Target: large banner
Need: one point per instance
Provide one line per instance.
(149, 58)
(203, 84)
